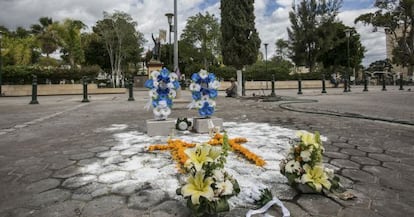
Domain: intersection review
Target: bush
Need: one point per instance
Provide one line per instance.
(23, 74)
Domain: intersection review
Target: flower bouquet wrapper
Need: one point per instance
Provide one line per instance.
(265, 202)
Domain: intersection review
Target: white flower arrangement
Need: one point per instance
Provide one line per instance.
(204, 87)
(208, 186)
(163, 85)
(304, 167)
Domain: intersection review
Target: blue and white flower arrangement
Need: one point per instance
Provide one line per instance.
(163, 86)
(204, 87)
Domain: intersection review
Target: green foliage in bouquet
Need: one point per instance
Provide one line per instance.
(208, 186)
(303, 167)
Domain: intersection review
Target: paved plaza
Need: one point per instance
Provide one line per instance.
(66, 158)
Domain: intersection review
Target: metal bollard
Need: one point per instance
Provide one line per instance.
(401, 82)
(243, 86)
(299, 86)
(273, 94)
(345, 85)
(34, 91)
(131, 92)
(365, 83)
(383, 83)
(85, 89)
(323, 84)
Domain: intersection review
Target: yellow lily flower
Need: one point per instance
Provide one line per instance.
(308, 138)
(214, 152)
(198, 186)
(198, 156)
(316, 176)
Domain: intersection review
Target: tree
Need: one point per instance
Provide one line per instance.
(45, 35)
(282, 48)
(397, 17)
(309, 34)
(69, 39)
(337, 56)
(95, 52)
(18, 51)
(203, 31)
(240, 40)
(118, 32)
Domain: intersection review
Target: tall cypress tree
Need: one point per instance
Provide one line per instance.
(240, 40)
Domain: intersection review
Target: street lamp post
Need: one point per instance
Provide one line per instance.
(347, 87)
(175, 37)
(1, 64)
(171, 29)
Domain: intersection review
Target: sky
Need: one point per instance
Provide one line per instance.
(271, 17)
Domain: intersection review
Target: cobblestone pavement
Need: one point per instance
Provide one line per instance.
(43, 147)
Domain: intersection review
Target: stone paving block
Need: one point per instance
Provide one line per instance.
(236, 212)
(67, 172)
(342, 145)
(43, 185)
(145, 199)
(170, 208)
(360, 200)
(18, 212)
(86, 193)
(336, 155)
(60, 164)
(375, 191)
(353, 152)
(364, 160)
(82, 156)
(125, 212)
(103, 205)
(295, 210)
(382, 157)
(358, 175)
(356, 212)
(343, 163)
(126, 187)
(49, 197)
(64, 209)
(381, 171)
(318, 205)
(78, 181)
(37, 176)
(98, 149)
(371, 149)
(108, 154)
(113, 177)
(86, 162)
(392, 208)
(160, 128)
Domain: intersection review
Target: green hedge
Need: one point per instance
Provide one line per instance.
(23, 74)
(258, 72)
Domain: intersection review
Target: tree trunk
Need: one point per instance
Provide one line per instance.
(239, 82)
